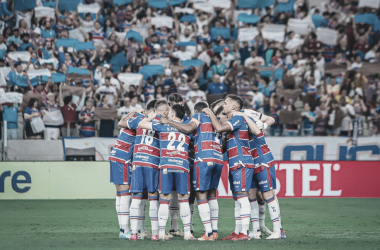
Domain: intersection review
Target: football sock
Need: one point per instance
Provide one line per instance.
(279, 210)
(255, 215)
(214, 213)
(141, 223)
(163, 212)
(185, 214)
(204, 213)
(237, 217)
(262, 214)
(118, 197)
(124, 210)
(274, 212)
(245, 212)
(191, 204)
(153, 213)
(134, 212)
(174, 211)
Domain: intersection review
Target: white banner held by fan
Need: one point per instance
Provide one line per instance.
(160, 61)
(44, 12)
(130, 78)
(88, 8)
(38, 72)
(375, 4)
(54, 61)
(162, 21)
(121, 35)
(76, 34)
(11, 97)
(183, 10)
(274, 32)
(204, 6)
(298, 26)
(327, 36)
(247, 34)
(23, 56)
(224, 4)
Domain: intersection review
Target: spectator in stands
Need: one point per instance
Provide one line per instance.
(68, 108)
(226, 57)
(159, 93)
(15, 38)
(309, 119)
(106, 126)
(30, 112)
(218, 68)
(349, 113)
(257, 96)
(290, 129)
(51, 130)
(313, 46)
(107, 90)
(322, 119)
(10, 115)
(134, 103)
(216, 87)
(195, 92)
(86, 117)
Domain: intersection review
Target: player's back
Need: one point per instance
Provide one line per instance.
(207, 143)
(147, 146)
(238, 148)
(266, 153)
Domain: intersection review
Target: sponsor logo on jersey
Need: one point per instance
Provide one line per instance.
(145, 148)
(113, 152)
(236, 182)
(235, 123)
(176, 161)
(144, 157)
(263, 182)
(219, 155)
(216, 146)
(176, 152)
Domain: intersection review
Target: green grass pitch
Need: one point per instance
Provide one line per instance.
(92, 224)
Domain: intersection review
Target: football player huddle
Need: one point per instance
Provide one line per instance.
(171, 159)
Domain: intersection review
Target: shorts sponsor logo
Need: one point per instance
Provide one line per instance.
(210, 163)
(176, 161)
(175, 171)
(263, 182)
(236, 182)
(194, 182)
(145, 148)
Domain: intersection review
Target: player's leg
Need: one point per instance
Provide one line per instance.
(236, 209)
(182, 186)
(191, 205)
(273, 207)
(255, 233)
(142, 212)
(202, 179)
(242, 181)
(262, 206)
(165, 187)
(272, 172)
(174, 213)
(212, 201)
(152, 176)
(137, 188)
(119, 176)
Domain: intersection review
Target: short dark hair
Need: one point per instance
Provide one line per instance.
(200, 106)
(179, 111)
(212, 106)
(175, 98)
(151, 104)
(160, 103)
(236, 99)
(219, 110)
(67, 99)
(31, 102)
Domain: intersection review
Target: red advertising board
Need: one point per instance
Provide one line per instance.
(323, 179)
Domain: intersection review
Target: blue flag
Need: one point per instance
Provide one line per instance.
(83, 46)
(80, 71)
(245, 18)
(176, 2)
(219, 49)
(24, 5)
(278, 74)
(192, 63)
(286, 7)
(118, 61)
(250, 4)
(188, 18)
(2, 53)
(4, 9)
(50, 4)
(150, 70)
(368, 18)
(318, 20)
(235, 34)
(121, 2)
(66, 42)
(159, 4)
(185, 44)
(224, 32)
(69, 5)
(55, 77)
(266, 3)
(135, 35)
(266, 73)
(22, 81)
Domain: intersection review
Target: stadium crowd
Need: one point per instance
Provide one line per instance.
(79, 65)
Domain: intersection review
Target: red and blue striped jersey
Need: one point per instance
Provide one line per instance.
(207, 143)
(87, 129)
(147, 146)
(123, 149)
(98, 35)
(174, 147)
(149, 90)
(238, 150)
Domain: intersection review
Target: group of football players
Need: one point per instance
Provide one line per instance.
(166, 157)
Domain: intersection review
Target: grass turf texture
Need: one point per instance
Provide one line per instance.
(92, 224)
